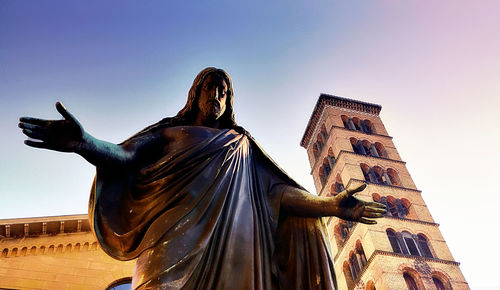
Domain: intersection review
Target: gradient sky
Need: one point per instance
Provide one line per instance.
(118, 66)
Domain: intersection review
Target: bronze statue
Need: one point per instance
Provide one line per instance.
(200, 204)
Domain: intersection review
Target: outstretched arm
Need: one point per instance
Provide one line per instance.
(68, 135)
(345, 206)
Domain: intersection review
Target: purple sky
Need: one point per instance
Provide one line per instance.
(119, 66)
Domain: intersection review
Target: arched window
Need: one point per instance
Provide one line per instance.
(338, 186)
(356, 146)
(393, 239)
(357, 123)
(322, 176)
(360, 253)
(439, 285)
(424, 246)
(5, 252)
(330, 157)
(355, 267)
(380, 150)
(391, 206)
(347, 273)
(410, 282)
(345, 121)
(440, 281)
(367, 126)
(367, 148)
(121, 284)
(378, 172)
(366, 172)
(344, 229)
(393, 177)
(326, 167)
(410, 244)
(324, 133)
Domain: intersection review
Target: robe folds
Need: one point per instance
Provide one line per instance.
(206, 215)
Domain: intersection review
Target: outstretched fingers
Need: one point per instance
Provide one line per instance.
(33, 131)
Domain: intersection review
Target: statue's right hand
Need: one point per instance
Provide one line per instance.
(66, 135)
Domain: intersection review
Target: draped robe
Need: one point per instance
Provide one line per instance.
(206, 215)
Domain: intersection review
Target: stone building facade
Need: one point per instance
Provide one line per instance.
(347, 145)
(56, 253)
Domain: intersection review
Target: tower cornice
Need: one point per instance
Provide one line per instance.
(335, 101)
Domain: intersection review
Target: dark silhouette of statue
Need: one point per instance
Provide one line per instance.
(199, 203)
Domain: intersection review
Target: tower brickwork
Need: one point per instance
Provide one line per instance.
(347, 145)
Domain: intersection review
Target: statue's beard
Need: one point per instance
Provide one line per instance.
(214, 113)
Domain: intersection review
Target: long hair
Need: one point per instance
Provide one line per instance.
(188, 114)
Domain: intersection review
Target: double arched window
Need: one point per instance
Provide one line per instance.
(409, 244)
(356, 124)
(378, 175)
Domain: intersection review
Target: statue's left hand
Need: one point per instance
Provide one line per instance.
(352, 208)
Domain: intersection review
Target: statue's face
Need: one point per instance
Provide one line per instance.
(212, 98)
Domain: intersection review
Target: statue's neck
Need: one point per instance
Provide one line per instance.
(207, 122)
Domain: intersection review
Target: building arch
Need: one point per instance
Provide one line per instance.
(357, 123)
(410, 243)
(412, 279)
(378, 174)
(338, 186)
(380, 150)
(360, 254)
(393, 177)
(393, 240)
(324, 132)
(423, 243)
(348, 274)
(120, 284)
(441, 281)
(368, 126)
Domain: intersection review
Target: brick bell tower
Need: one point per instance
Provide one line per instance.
(347, 145)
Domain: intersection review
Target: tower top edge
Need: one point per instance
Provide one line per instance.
(335, 101)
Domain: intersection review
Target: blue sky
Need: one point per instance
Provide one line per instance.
(119, 66)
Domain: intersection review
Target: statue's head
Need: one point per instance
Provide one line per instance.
(203, 86)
